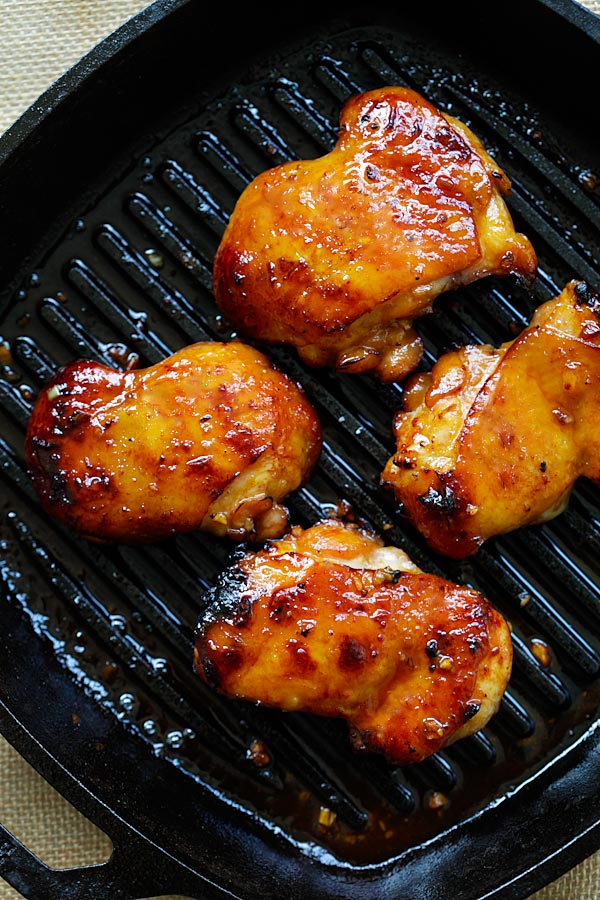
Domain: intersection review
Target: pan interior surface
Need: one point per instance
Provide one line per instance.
(125, 279)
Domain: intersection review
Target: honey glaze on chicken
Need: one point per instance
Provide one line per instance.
(330, 621)
(493, 439)
(337, 255)
(214, 437)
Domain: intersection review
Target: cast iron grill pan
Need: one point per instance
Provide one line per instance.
(199, 794)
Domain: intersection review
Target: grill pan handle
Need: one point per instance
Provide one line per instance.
(126, 875)
(137, 867)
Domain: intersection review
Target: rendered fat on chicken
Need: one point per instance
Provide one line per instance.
(330, 621)
(337, 255)
(212, 438)
(493, 439)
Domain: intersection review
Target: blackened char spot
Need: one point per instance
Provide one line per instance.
(211, 672)
(431, 649)
(279, 607)
(352, 654)
(300, 656)
(587, 295)
(443, 500)
(59, 492)
(76, 419)
(243, 613)
(471, 709)
(224, 599)
(474, 644)
(228, 660)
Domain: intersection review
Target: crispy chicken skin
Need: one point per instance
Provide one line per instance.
(330, 621)
(212, 437)
(492, 439)
(337, 255)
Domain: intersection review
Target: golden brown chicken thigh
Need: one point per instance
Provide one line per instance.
(212, 437)
(492, 439)
(329, 620)
(337, 255)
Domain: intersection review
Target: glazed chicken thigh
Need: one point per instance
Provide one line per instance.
(492, 439)
(214, 437)
(338, 255)
(329, 620)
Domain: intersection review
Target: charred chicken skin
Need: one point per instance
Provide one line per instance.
(330, 621)
(492, 439)
(338, 255)
(212, 437)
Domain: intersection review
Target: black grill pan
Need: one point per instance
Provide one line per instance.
(115, 188)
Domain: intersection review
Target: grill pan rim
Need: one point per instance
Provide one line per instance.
(575, 766)
(75, 77)
(25, 128)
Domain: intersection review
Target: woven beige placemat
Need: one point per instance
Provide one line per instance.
(39, 41)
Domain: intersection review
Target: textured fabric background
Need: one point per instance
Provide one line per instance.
(39, 40)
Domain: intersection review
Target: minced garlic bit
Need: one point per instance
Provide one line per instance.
(5, 354)
(326, 817)
(386, 575)
(541, 651)
(437, 800)
(154, 258)
(221, 518)
(258, 754)
(433, 728)
(53, 392)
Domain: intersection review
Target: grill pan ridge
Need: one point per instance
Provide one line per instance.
(96, 684)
